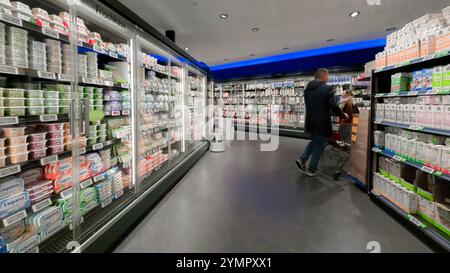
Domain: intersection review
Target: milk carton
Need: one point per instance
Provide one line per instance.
(429, 116)
(380, 111)
(427, 45)
(406, 114)
(399, 111)
(413, 114)
(445, 159)
(427, 79)
(446, 118)
(421, 119)
(437, 78)
(417, 79)
(446, 78)
(412, 148)
(438, 116)
(440, 41)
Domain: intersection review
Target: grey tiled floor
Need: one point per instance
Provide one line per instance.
(245, 200)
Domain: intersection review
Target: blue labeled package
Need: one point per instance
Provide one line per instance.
(14, 204)
(13, 232)
(2, 242)
(26, 245)
(88, 195)
(417, 81)
(427, 79)
(11, 186)
(46, 218)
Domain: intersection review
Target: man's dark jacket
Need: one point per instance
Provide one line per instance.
(320, 102)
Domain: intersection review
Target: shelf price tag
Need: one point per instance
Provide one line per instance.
(64, 77)
(126, 112)
(9, 120)
(415, 221)
(7, 69)
(392, 94)
(416, 128)
(66, 193)
(125, 85)
(41, 205)
(398, 158)
(86, 184)
(49, 160)
(14, 218)
(413, 93)
(10, 170)
(98, 82)
(377, 121)
(99, 177)
(97, 49)
(427, 169)
(97, 146)
(108, 83)
(11, 19)
(82, 150)
(88, 81)
(47, 118)
(379, 95)
(113, 54)
(46, 75)
(432, 92)
(376, 150)
(115, 113)
(50, 32)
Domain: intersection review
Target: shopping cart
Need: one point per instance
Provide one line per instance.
(338, 148)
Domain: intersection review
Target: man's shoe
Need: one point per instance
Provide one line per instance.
(301, 164)
(311, 173)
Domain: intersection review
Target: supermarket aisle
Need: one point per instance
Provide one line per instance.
(245, 200)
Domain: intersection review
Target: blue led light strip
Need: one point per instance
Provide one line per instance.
(304, 54)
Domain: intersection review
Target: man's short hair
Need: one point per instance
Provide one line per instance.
(320, 73)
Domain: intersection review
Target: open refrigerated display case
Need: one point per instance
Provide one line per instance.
(91, 124)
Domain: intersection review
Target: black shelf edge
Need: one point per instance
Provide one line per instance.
(428, 232)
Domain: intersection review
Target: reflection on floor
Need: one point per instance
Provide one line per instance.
(245, 200)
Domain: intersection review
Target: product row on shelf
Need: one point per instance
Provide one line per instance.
(85, 128)
(277, 102)
(410, 127)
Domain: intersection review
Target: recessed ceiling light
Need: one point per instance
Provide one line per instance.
(391, 29)
(253, 54)
(330, 40)
(354, 14)
(186, 48)
(226, 60)
(255, 29)
(285, 48)
(223, 15)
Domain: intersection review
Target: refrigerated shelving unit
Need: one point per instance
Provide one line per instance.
(123, 120)
(428, 229)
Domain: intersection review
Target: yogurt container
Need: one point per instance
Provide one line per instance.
(31, 176)
(33, 93)
(39, 153)
(19, 140)
(57, 149)
(13, 131)
(14, 159)
(55, 127)
(37, 137)
(39, 186)
(55, 134)
(35, 110)
(18, 149)
(55, 141)
(38, 145)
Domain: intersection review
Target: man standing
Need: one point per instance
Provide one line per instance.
(320, 102)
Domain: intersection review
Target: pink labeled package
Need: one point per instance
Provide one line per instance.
(32, 175)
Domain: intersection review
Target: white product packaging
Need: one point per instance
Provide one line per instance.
(410, 201)
(426, 207)
(437, 78)
(420, 150)
(399, 115)
(429, 116)
(438, 116)
(393, 112)
(379, 138)
(387, 141)
(421, 112)
(380, 111)
(413, 114)
(445, 158)
(412, 148)
(436, 154)
(404, 146)
(446, 118)
(396, 143)
(406, 108)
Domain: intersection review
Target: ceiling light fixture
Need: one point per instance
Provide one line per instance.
(253, 54)
(255, 29)
(186, 48)
(354, 14)
(285, 48)
(330, 40)
(226, 60)
(391, 29)
(223, 16)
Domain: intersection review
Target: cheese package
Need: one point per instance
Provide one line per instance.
(13, 231)
(62, 183)
(10, 186)
(13, 204)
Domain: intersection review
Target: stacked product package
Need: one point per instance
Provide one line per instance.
(82, 66)
(92, 65)
(17, 47)
(54, 56)
(38, 56)
(2, 44)
(67, 59)
(423, 37)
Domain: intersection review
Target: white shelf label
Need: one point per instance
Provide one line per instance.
(106, 202)
(427, 169)
(111, 171)
(432, 92)
(115, 113)
(415, 128)
(66, 193)
(64, 77)
(14, 218)
(49, 160)
(46, 75)
(10, 19)
(97, 49)
(98, 82)
(415, 221)
(9, 120)
(50, 32)
(392, 95)
(86, 184)
(99, 177)
(126, 112)
(9, 69)
(379, 95)
(88, 81)
(376, 150)
(125, 85)
(82, 150)
(9, 170)
(377, 121)
(413, 93)
(398, 158)
(108, 83)
(113, 54)
(97, 146)
(41, 205)
(47, 118)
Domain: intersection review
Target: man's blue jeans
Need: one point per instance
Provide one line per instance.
(314, 150)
